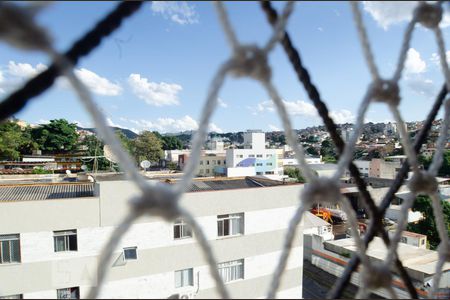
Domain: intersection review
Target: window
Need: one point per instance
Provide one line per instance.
(259, 164)
(9, 248)
(239, 156)
(268, 155)
(65, 240)
(403, 239)
(201, 163)
(207, 171)
(184, 278)
(258, 155)
(181, 230)
(231, 270)
(218, 162)
(200, 171)
(268, 164)
(68, 293)
(16, 296)
(213, 162)
(207, 162)
(270, 172)
(130, 253)
(251, 155)
(232, 224)
(422, 241)
(259, 173)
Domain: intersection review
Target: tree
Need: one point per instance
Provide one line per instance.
(95, 148)
(444, 170)
(294, 173)
(10, 140)
(427, 225)
(312, 151)
(169, 142)
(15, 140)
(147, 146)
(58, 136)
(327, 148)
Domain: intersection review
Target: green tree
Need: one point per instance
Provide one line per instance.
(427, 225)
(94, 147)
(445, 167)
(327, 148)
(312, 151)
(10, 140)
(147, 146)
(294, 173)
(58, 136)
(15, 140)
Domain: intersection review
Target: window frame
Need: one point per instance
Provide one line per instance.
(8, 240)
(240, 263)
(184, 228)
(66, 234)
(226, 226)
(76, 288)
(181, 282)
(127, 249)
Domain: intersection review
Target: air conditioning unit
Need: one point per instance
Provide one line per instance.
(187, 296)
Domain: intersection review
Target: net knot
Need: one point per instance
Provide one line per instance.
(386, 91)
(322, 190)
(423, 183)
(251, 61)
(376, 276)
(160, 200)
(429, 15)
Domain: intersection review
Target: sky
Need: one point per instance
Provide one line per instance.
(155, 71)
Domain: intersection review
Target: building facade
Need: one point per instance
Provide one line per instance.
(54, 244)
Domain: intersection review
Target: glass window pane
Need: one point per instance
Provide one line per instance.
(178, 279)
(72, 242)
(176, 232)
(15, 250)
(59, 243)
(220, 228)
(6, 255)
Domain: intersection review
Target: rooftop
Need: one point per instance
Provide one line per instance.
(28, 192)
(416, 260)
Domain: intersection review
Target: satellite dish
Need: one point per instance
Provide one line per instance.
(145, 164)
(109, 155)
(84, 167)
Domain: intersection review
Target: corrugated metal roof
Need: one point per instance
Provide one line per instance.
(45, 192)
(227, 184)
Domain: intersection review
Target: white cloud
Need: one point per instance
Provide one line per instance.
(24, 70)
(16, 73)
(177, 11)
(342, 116)
(97, 84)
(157, 94)
(435, 58)
(273, 128)
(320, 29)
(387, 13)
(214, 128)
(163, 125)
(414, 64)
(422, 86)
(303, 109)
(222, 103)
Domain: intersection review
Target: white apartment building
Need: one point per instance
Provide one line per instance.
(254, 159)
(51, 236)
(210, 165)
